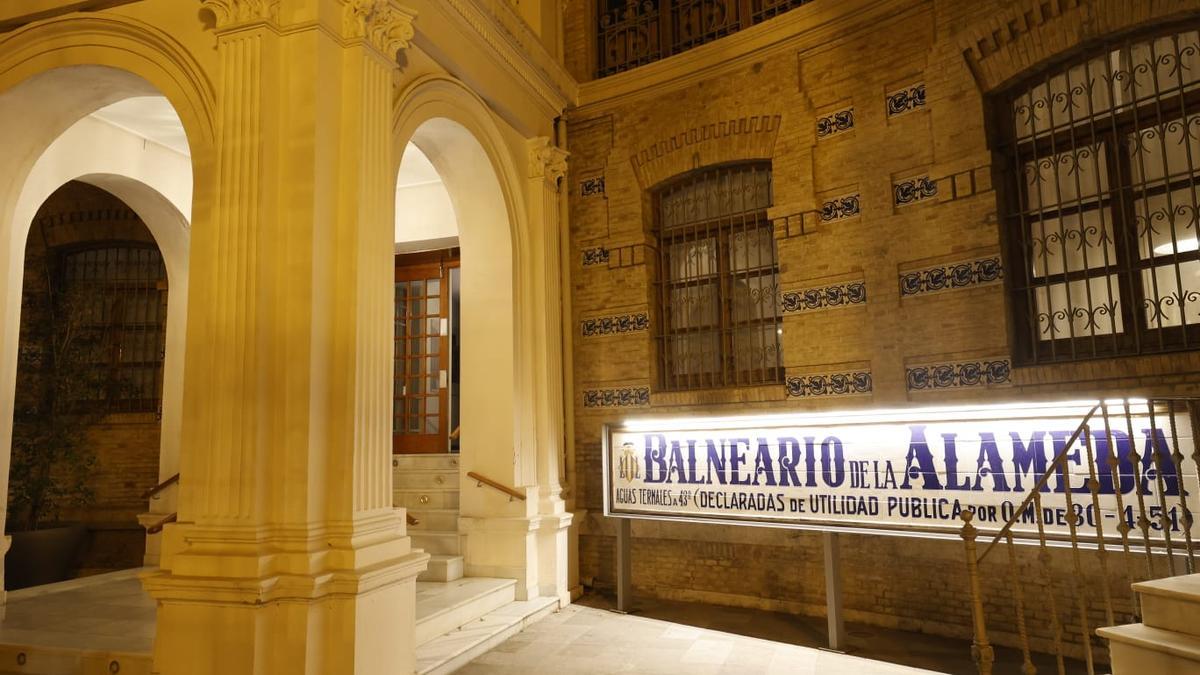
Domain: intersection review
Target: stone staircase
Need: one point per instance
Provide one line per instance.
(1167, 642)
(427, 486)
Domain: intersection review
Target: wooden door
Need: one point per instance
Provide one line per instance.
(420, 405)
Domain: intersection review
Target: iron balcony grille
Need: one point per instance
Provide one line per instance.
(719, 322)
(1100, 199)
(635, 32)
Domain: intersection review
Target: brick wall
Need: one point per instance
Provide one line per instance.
(958, 51)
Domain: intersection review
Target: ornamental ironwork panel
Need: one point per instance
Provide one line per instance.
(631, 33)
(1100, 199)
(717, 280)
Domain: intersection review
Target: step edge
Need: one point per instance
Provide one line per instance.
(515, 626)
(1133, 634)
(1155, 588)
(512, 584)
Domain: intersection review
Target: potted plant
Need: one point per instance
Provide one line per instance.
(61, 393)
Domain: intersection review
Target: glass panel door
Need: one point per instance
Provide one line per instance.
(420, 414)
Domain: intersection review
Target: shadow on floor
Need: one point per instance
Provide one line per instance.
(916, 650)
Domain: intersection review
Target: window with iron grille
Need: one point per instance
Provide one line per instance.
(718, 280)
(1100, 200)
(116, 296)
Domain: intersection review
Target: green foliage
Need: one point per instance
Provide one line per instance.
(61, 393)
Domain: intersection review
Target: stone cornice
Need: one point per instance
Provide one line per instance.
(384, 25)
(815, 25)
(510, 39)
(230, 13)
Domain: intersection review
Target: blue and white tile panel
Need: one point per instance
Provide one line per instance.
(619, 397)
(616, 324)
(597, 255)
(905, 100)
(841, 208)
(989, 372)
(591, 187)
(836, 122)
(829, 296)
(913, 190)
(839, 383)
(951, 277)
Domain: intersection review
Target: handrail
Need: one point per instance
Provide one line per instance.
(158, 527)
(484, 480)
(408, 517)
(160, 487)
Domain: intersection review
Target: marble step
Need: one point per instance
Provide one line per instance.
(1138, 649)
(443, 568)
(445, 520)
(426, 498)
(1171, 604)
(419, 479)
(437, 542)
(443, 607)
(433, 462)
(448, 652)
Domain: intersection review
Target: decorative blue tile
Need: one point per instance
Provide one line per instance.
(824, 297)
(595, 256)
(835, 123)
(840, 208)
(906, 100)
(853, 383)
(968, 274)
(959, 374)
(615, 325)
(914, 190)
(592, 187)
(623, 397)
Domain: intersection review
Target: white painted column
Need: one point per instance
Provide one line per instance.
(288, 557)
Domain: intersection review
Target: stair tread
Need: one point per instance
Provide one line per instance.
(1184, 586)
(461, 642)
(436, 599)
(1155, 639)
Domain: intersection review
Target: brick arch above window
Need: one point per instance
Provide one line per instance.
(725, 142)
(1031, 33)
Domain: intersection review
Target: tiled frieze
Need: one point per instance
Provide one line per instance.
(841, 208)
(913, 190)
(617, 397)
(835, 383)
(906, 100)
(617, 324)
(596, 255)
(591, 187)
(954, 276)
(828, 296)
(988, 372)
(836, 122)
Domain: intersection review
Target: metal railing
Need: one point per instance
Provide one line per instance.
(153, 492)
(481, 480)
(1126, 519)
(631, 33)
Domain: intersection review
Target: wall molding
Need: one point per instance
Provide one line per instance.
(734, 140)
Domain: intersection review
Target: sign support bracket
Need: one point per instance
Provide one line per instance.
(833, 591)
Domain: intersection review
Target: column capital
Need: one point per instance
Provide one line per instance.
(237, 12)
(383, 24)
(547, 161)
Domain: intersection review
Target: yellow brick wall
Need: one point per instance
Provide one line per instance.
(959, 50)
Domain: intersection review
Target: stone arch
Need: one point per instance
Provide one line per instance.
(1034, 32)
(52, 75)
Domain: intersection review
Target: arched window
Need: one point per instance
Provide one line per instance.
(1099, 201)
(718, 280)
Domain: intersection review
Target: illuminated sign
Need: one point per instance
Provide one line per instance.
(905, 471)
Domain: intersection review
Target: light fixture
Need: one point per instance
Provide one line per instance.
(1181, 246)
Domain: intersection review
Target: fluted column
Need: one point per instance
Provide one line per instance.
(547, 171)
(288, 557)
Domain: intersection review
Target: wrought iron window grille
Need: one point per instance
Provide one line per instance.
(719, 321)
(1099, 201)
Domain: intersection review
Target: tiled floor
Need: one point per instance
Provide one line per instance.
(583, 640)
